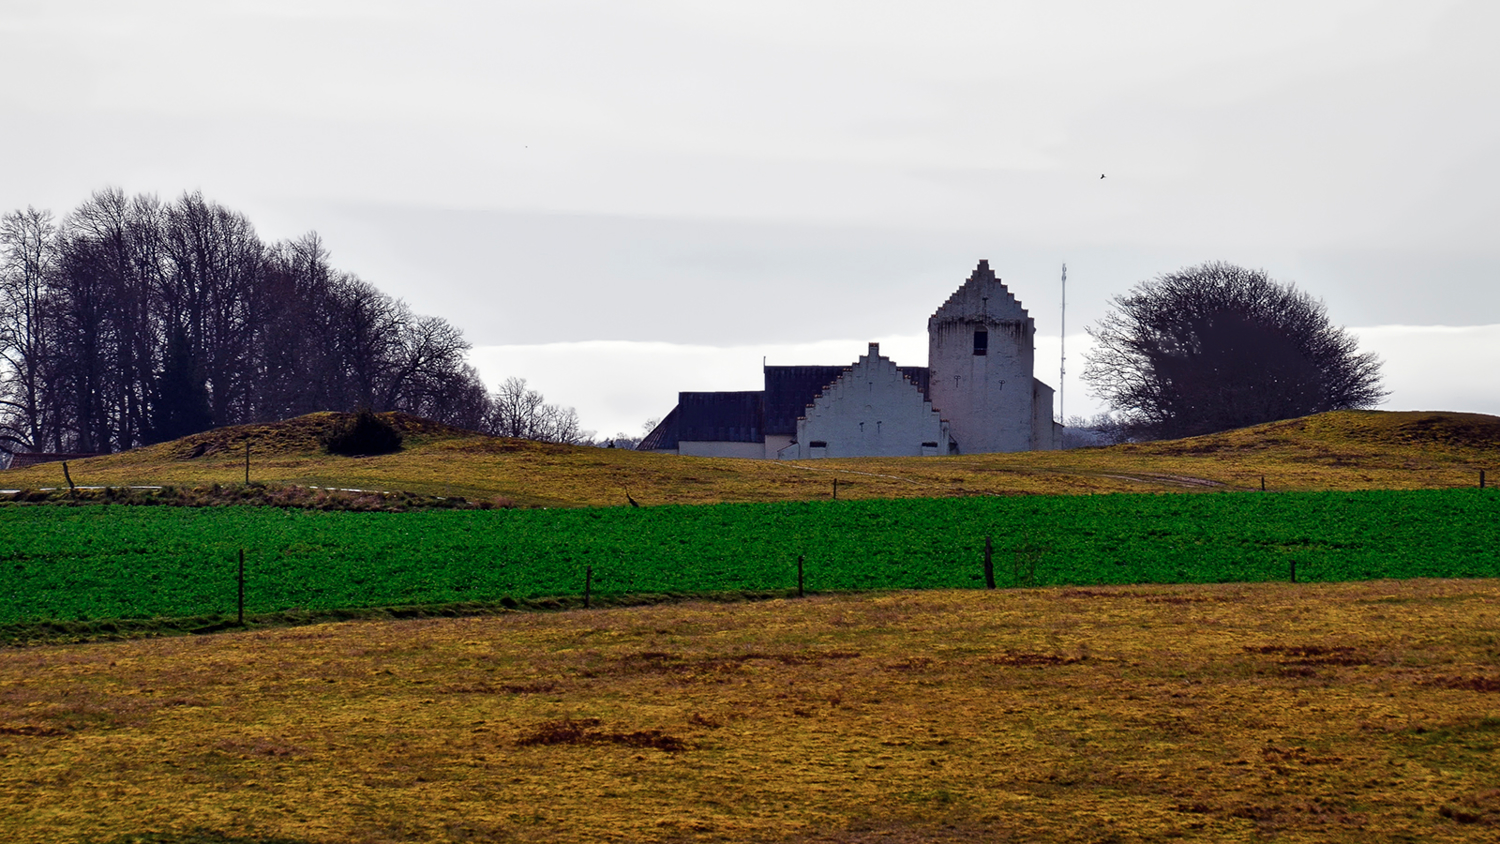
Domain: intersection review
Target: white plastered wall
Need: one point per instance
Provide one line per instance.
(987, 398)
(1043, 429)
(872, 410)
(721, 449)
(774, 444)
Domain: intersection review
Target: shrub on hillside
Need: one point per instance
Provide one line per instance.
(364, 435)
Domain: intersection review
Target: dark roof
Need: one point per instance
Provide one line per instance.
(720, 417)
(663, 436)
(749, 416)
(790, 389)
(918, 376)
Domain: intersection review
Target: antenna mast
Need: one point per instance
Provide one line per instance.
(1062, 369)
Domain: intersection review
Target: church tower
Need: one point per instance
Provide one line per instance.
(979, 360)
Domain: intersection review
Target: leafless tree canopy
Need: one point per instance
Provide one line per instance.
(1103, 429)
(630, 441)
(132, 321)
(516, 410)
(28, 258)
(1215, 347)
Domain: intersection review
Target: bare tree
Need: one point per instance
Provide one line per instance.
(27, 261)
(89, 327)
(425, 354)
(519, 411)
(1215, 347)
(290, 371)
(215, 260)
(131, 320)
(515, 410)
(1102, 429)
(462, 401)
(561, 425)
(624, 440)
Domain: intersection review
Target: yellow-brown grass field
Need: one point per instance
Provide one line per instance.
(1276, 712)
(1262, 712)
(1342, 450)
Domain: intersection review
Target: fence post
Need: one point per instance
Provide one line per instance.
(241, 620)
(588, 585)
(1262, 483)
(1294, 571)
(835, 489)
(69, 478)
(799, 576)
(989, 565)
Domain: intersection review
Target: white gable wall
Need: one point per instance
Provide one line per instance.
(1044, 433)
(985, 391)
(774, 444)
(872, 410)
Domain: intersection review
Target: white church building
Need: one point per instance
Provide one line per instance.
(977, 394)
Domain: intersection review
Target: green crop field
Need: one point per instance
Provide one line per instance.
(117, 562)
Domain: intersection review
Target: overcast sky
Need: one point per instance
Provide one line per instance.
(622, 200)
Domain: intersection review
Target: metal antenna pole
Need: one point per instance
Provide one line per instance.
(1062, 370)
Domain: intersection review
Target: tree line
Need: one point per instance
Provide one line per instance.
(131, 321)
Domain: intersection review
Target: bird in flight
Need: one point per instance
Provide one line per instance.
(1101, 175)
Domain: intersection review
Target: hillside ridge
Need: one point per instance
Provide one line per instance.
(1337, 450)
(1428, 429)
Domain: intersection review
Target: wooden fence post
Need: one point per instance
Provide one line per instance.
(989, 565)
(835, 489)
(1294, 571)
(69, 478)
(1262, 483)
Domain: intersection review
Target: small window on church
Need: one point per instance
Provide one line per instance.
(818, 444)
(981, 342)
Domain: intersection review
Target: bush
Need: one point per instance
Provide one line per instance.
(364, 435)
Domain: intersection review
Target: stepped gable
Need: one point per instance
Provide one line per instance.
(790, 390)
(869, 367)
(983, 298)
(872, 409)
(919, 376)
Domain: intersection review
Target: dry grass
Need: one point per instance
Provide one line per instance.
(1344, 450)
(1220, 713)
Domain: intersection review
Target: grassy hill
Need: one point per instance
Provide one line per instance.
(1340, 450)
